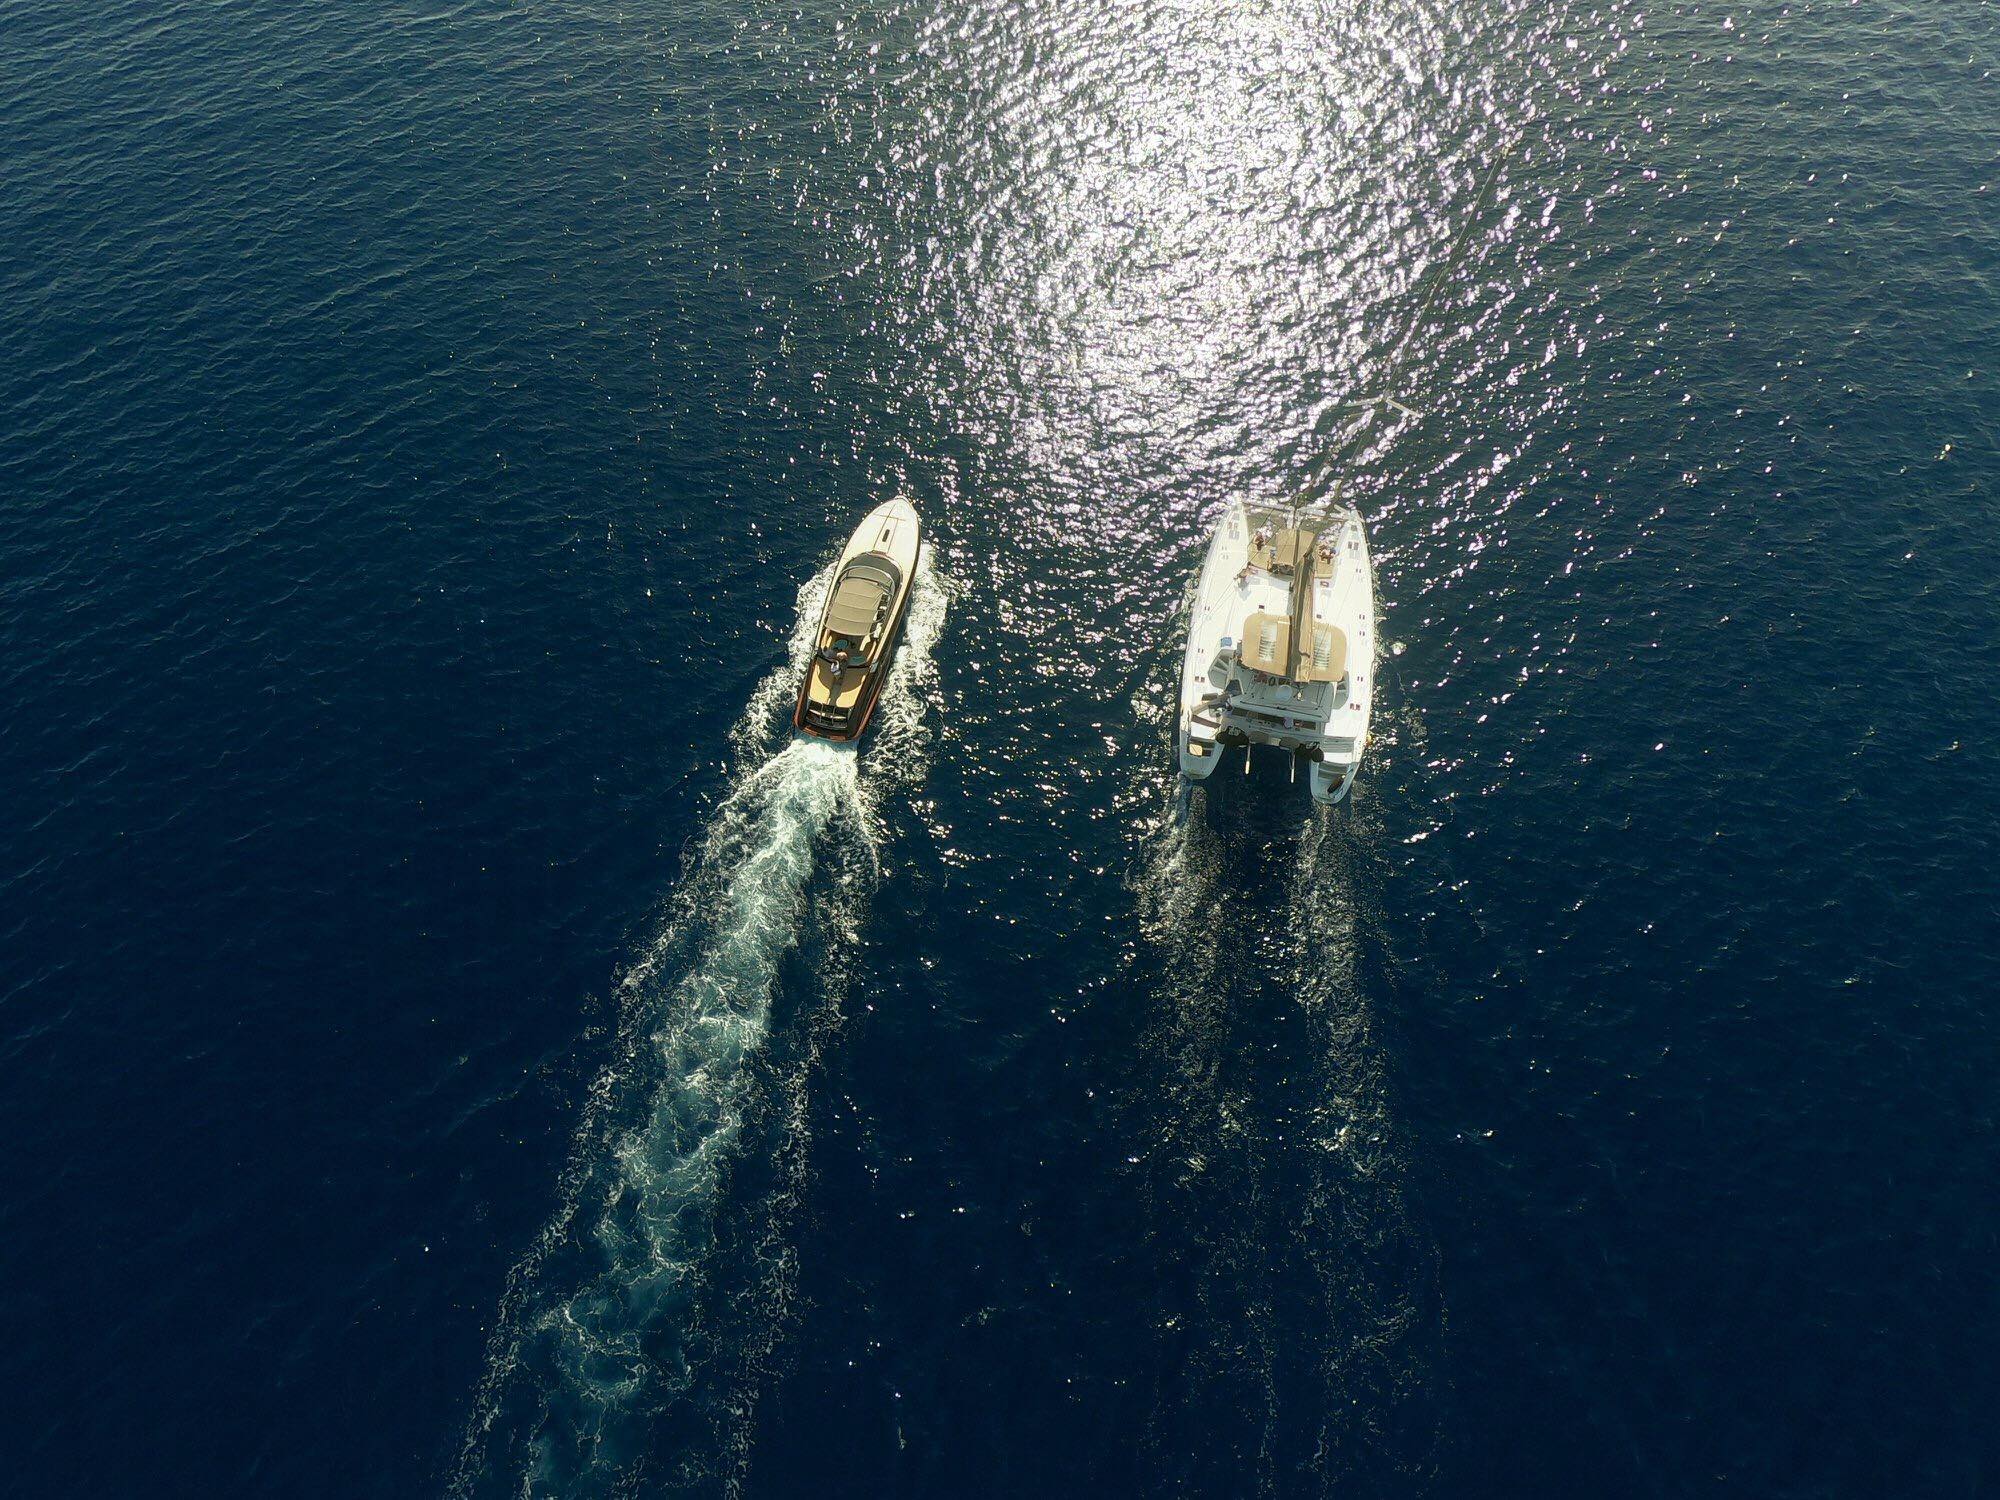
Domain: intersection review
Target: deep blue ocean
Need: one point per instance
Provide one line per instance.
(453, 1044)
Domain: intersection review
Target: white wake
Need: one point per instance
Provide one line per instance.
(600, 1328)
(1305, 1308)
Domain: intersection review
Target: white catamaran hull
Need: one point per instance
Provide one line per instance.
(1281, 644)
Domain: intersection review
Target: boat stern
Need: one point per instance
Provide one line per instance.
(831, 710)
(1200, 729)
(1331, 780)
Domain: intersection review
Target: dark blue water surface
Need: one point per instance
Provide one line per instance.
(452, 1046)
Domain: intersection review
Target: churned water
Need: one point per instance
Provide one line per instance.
(455, 1043)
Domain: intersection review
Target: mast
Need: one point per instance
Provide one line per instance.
(1336, 464)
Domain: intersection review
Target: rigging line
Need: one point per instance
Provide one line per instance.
(1435, 279)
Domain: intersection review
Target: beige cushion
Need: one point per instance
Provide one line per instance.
(1287, 549)
(1324, 658)
(1267, 644)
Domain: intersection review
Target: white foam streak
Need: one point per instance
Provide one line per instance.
(775, 695)
(655, 1222)
(1247, 930)
(595, 1329)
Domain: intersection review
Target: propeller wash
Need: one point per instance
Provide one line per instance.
(604, 1341)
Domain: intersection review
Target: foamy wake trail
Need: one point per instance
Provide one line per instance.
(602, 1328)
(1271, 1146)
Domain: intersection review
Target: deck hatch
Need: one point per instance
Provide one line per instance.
(1267, 643)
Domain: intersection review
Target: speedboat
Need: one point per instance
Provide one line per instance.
(1281, 644)
(862, 621)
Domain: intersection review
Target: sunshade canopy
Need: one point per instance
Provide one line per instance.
(1324, 658)
(1267, 643)
(861, 597)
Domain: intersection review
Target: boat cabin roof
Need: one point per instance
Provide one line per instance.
(861, 597)
(1267, 643)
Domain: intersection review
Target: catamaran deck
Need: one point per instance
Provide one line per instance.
(1280, 643)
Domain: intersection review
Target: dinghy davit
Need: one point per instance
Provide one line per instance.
(861, 624)
(1281, 643)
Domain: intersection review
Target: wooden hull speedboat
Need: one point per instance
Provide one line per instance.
(861, 624)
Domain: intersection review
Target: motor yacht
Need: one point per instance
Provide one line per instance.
(863, 619)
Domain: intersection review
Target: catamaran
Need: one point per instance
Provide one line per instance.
(861, 624)
(1281, 644)
(1281, 637)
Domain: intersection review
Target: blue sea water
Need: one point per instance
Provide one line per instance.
(454, 1045)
